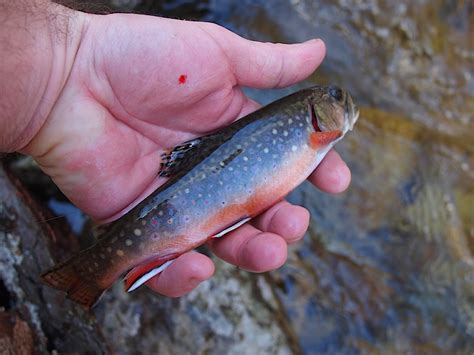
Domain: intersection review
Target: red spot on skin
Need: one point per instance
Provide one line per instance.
(182, 78)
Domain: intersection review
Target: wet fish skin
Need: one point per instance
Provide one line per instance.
(215, 181)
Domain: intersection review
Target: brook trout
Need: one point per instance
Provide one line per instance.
(216, 183)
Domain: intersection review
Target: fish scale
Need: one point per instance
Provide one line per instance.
(216, 182)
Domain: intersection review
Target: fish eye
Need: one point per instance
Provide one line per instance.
(336, 93)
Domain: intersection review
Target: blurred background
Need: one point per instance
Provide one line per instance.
(386, 267)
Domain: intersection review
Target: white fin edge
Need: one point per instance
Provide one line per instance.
(150, 274)
(231, 228)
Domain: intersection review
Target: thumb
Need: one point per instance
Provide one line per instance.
(268, 65)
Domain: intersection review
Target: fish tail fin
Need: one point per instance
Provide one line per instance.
(65, 277)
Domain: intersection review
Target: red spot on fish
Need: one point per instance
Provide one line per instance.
(182, 79)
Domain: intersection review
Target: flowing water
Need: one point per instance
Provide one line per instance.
(386, 267)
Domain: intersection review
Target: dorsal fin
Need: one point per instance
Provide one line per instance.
(185, 156)
(180, 157)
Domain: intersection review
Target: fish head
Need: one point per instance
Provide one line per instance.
(332, 109)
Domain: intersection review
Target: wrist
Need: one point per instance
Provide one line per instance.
(41, 39)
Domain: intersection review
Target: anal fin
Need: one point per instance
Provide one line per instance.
(143, 273)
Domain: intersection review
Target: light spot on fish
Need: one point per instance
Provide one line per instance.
(109, 249)
(280, 123)
(141, 246)
(301, 125)
(128, 242)
(239, 146)
(290, 121)
(137, 232)
(186, 191)
(245, 158)
(170, 221)
(120, 252)
(222, 164)
(143, 222)
(220, 182)
(122, 233)
(231, 168)
(266, 150)
(294, 148)
(96, 265)
(274, 131)
(285, 133)
(245, 168)
(160, 213)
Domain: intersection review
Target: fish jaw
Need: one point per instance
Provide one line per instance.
(351, 114)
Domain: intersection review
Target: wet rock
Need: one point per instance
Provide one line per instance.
(16, 337)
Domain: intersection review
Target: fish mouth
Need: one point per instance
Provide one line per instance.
(351, 113)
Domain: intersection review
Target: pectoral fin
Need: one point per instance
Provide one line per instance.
(322, 139)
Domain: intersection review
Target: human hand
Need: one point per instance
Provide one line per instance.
(139, 85)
